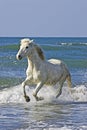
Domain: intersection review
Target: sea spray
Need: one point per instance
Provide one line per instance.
(15, 94)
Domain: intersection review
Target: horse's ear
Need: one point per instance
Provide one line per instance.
(20, 42)
(30, 41)
(26, 40)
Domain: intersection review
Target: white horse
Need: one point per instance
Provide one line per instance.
(40, 71)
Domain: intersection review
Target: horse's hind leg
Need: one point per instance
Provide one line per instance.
(59, 91)
(69, 80)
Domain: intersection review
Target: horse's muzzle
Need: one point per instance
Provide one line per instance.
(19, 57)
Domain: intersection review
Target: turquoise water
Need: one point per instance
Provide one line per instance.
(67, 112)
(71, 50)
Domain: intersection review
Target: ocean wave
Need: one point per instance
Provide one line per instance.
(83, 44)
(72, 44)
(9, 47)
(64, 44)
(44, 46)
(15, 94)
(65, 127)
(15, 47)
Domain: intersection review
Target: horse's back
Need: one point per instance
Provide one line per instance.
(60, 63)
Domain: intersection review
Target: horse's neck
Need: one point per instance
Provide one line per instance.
(34, 61)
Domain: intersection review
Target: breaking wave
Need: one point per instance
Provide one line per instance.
(15, 94)
(72, 44)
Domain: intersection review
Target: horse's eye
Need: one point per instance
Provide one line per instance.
(26, 47)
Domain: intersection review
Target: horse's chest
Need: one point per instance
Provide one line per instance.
(32, 72)
(36, 75)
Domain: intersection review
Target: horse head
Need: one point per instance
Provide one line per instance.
(25, 48)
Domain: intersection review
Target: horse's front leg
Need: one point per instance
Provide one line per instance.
(38, 87)
(27, 98)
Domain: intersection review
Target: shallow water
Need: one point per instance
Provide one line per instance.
(43, 116)
(68, 112)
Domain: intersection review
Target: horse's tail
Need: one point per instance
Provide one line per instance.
(69, 80)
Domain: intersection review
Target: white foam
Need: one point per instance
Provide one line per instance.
(64, 43)
(83, 43)
(15, 94)
(79, 93)
(76, 94)
(61, 128)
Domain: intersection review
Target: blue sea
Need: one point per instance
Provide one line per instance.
(68, 112)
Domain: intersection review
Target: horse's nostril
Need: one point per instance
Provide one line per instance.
(19, 57)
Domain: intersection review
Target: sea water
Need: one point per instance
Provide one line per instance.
(68, 112)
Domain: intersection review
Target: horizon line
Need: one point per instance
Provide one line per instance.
(44, 36)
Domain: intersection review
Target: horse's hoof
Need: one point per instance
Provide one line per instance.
(27, 99)
(39, 98)
(58, 95)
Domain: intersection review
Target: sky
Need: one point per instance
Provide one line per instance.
(43, 18)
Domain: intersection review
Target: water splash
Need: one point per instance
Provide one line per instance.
(15, 94)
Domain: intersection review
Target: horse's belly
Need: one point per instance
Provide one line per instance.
(51, 82)
(54, 76)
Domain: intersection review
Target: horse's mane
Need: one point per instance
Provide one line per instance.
(39, 51)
